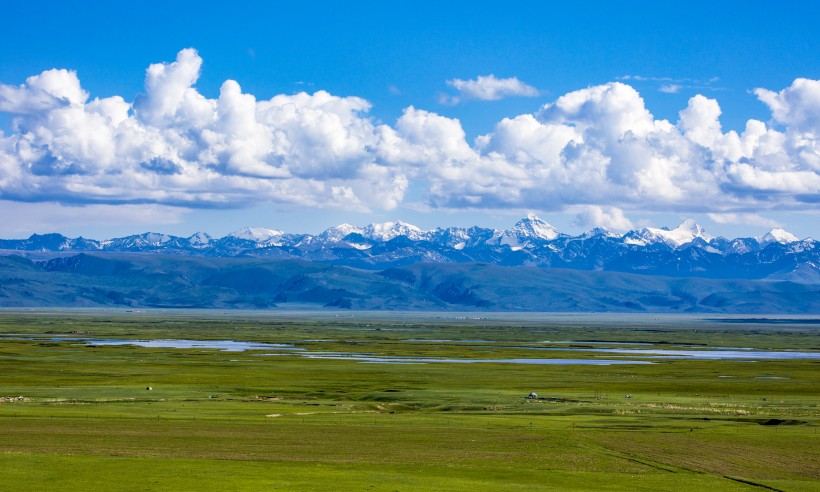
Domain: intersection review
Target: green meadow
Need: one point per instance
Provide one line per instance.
(369, 401)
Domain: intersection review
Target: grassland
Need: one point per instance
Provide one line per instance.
(247, 421)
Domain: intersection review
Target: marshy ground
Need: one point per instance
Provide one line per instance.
(386, 402)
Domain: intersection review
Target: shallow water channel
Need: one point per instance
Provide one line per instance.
(704, 353)
(279, 349)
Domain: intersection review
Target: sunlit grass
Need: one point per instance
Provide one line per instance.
(240, 420)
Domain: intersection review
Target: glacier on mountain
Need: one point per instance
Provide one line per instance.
(686, 250)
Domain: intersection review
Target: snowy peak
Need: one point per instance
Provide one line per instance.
(526, 230)
(389, 230)
(691, 227)
(339, 232)
(155, 238)
(256, 234)
(777, 235)
(685, 233)
(533, 227)
(599, 231)
(200, 240)
(149, 241)
(684, 251)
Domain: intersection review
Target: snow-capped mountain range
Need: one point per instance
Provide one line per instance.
(686, 251)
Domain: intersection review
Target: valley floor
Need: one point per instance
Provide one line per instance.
(387, 402)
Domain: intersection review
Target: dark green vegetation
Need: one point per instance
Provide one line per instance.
(244, 421)
(161, 281)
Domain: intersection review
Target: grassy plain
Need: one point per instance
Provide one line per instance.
(247, 421)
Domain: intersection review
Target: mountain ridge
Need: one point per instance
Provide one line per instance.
(684, 251)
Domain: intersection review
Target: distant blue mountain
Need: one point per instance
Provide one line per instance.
(685, 251)
(129, 280)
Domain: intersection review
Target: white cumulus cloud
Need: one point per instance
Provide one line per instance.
(598, 149)
(601, 146)
(488, 88)
(174, 146)
(611, 218)
(797, 106)
(50, 89)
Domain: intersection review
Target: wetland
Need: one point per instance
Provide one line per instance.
(388, 401)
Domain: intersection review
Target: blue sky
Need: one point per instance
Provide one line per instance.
(633, 67)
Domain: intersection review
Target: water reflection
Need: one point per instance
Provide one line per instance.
(223, 345)
(711, 354)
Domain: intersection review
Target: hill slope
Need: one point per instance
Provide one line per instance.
(136, 280)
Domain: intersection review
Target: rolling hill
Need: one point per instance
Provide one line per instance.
(132, 280)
